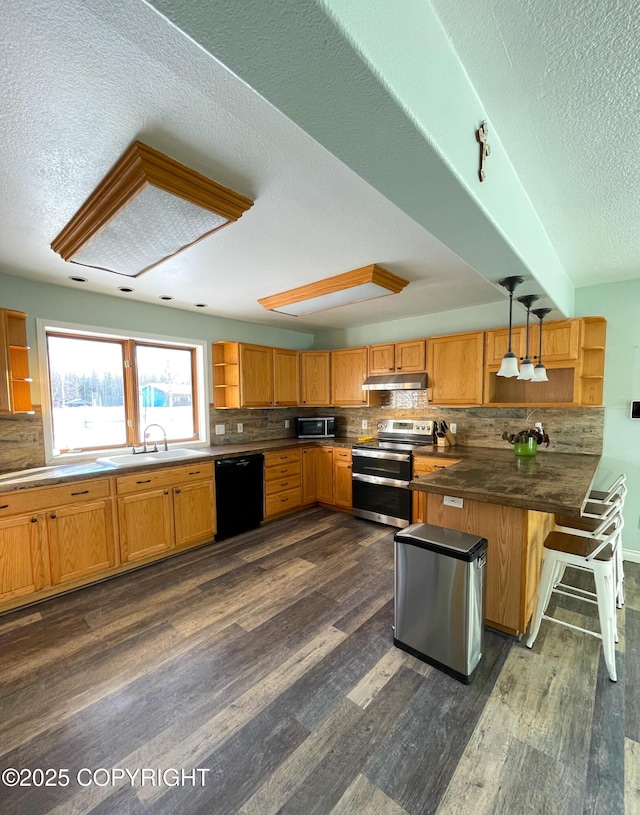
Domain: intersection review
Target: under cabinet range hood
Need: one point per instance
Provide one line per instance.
(396, 382)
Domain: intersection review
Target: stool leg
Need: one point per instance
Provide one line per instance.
(619, 574)
(604, 577)
(549, 572)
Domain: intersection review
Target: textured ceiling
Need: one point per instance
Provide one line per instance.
(560, 82)
(82, 79)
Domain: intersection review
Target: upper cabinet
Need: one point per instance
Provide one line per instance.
(454, 365)
(246, 375)
(15, 382)
(315, 378)
(399, 357)
(572, 352)
(349, 368)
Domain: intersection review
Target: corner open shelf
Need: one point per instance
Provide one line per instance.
(15, 382)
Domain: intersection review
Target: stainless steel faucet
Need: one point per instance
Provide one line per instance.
(144, 438)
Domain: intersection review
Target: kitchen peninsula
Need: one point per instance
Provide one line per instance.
(512, 502)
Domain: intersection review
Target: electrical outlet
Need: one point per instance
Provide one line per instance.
(287, 424)
(453, 427)
(365, 424)
(452, 501)
(240, 427)
(219, 430)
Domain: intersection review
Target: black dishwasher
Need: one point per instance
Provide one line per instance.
(239, 494)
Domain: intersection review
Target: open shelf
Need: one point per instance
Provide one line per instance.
(226, 374)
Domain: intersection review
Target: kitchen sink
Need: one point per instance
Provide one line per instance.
(139, 459)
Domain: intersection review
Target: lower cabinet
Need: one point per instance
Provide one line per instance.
(282, 482)
(159, 510)
(342, 477)
(24, 567)
(81, 540)
(324, 475)
(421, 466)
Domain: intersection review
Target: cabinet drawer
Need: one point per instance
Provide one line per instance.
(281, 484)
(74, 492)
(282, 471)
(281, 457)
(150, 479)
(342, 454)
(282, 501)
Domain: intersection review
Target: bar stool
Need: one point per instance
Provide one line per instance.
(593, 522)
(596, 555)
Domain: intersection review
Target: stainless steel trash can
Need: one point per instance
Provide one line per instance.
(438, 597)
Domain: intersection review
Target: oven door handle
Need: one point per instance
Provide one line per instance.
(382, 454)
(383, 482)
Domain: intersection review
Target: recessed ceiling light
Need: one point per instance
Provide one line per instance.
(77, 279)
(125, 289)
(200, 305)
(166, 297)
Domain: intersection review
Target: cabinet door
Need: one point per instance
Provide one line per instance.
(382, 359)
(194, 512)
(411, 356)
(80, 540)
(497, 344)
(455, 368)
(560, 341)
(146, 524)
(24, 568)
(348, 372)
(309, 459)
(256, 375)
(285, 377)
(324, 474)
(342, 477)
(315, 382)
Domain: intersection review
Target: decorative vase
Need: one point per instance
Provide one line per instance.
(527, 448)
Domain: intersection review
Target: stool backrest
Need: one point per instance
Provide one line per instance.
(611, 539)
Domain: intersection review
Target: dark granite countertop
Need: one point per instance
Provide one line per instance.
(62, 473)
(548, 482)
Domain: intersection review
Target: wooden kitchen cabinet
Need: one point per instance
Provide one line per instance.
(247, 375)
(349, 367)
(159, 510)
(400, 357)
(496, 344)
(282, 482)
(455, 368)
(421, 466)
(342, 477)
(81, 540)
(15, 382)
(315, 378)
(324, 475)
(24, 562)
(309, 475)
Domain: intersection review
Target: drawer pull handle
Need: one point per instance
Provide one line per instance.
(146, 481)
(82, 492)
(439, 467)
(284, 499)
(195, 472)
(284, 483)
(5, 506)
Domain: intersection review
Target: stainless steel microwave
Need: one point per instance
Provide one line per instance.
(316, 428)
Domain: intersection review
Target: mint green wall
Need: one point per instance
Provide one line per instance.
(618, 303)
(73, 305)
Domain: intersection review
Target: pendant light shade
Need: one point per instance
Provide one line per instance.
(540, 372)
(509, 366)
(527, 370)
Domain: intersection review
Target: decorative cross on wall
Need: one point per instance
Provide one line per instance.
(485, 148)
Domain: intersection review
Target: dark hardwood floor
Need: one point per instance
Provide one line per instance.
(267, 662)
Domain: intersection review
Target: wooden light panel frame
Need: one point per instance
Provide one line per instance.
(341, 282)
(139, 167)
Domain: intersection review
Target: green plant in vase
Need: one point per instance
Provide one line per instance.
(525, 442)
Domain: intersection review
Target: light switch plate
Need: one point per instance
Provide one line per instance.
(287, 424)
(219, 430)
(453, 427)
(240, 428)
(452, 501)
(365, 424)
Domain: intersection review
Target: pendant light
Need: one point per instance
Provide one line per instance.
(540, 372)
(509, 366)
(527, 369)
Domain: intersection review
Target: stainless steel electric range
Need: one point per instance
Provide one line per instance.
(382, 470)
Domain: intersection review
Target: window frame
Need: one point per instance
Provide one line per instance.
(128, 340)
